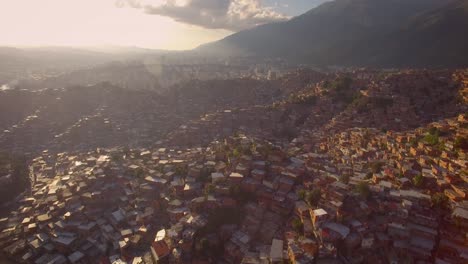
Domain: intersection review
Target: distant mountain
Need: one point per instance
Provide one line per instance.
(19, 63)
(124, 50)
(83, 65)
(388, 33)
(129, 75)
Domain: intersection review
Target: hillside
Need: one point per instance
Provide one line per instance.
(361, 33)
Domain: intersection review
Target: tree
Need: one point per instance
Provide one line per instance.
(363, 189)
(297, 225)
(433, 131)
(301, 194)
(413, 142)
(432, 137)
(418, 180)
(376, 167)
(313, 197)
(461, 143)
(18, 168)
(440, 200)
(236, 153)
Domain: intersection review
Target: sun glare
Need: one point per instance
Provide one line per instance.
(90, 22)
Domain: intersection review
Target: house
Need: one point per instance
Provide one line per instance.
(460, 190)
(295, 252)
(319, 216)
(250, 185)
(160, 251)
(462, 215)
(64, 242)
(334, 230)
(276, 252)
(453, 195)
(217, 177)
(236, 178)
(258, 174)
(368, 242)
(285, 184)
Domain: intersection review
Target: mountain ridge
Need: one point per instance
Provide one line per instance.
(357, 33)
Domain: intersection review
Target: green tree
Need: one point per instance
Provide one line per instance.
(431, 139)
(236, 153)
(440, 200)
(376, 167)
(363, 189)
(301, 194)
(413, 142)
(313, 197)
(18, 169)
(461, 143)
(297, 225)
(418, 180)
(433, 131)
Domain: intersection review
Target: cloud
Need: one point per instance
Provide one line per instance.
(232, 15)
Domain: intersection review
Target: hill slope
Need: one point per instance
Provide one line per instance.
(361, 33)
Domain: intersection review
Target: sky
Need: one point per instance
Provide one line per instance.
(156, 24)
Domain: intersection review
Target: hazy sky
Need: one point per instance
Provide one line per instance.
(160, 24)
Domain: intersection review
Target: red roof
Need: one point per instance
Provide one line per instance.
(161, 249)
